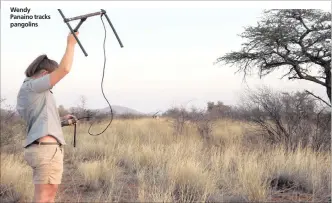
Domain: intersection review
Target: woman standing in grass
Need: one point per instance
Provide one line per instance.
(37, 106)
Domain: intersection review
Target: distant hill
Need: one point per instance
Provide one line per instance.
(120, 110)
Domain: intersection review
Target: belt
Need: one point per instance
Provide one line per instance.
(44, 143)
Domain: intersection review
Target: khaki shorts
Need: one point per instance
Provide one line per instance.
(46, 162)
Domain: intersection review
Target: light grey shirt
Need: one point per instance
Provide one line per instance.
(37, 106)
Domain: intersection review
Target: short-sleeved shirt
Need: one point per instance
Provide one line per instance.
(36, 105)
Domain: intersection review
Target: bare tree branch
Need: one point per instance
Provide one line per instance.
(317, 97)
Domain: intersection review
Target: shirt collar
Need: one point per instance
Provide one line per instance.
(27, 79)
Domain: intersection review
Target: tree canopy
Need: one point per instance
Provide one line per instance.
(297, 39)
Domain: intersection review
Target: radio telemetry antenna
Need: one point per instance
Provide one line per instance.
(82, 18)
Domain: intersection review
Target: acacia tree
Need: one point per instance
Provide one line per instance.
(297, 39)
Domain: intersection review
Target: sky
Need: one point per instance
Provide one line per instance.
(168, 55)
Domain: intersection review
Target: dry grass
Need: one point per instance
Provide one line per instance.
(15, 179)
(146, 156)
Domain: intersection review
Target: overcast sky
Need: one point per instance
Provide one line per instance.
(168, 55)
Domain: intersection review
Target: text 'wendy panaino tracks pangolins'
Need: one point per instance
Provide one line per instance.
(22, 18)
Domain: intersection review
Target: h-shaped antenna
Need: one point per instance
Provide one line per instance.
(82, 18)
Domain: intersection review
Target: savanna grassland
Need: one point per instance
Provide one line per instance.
(143, 160)
(274, 146)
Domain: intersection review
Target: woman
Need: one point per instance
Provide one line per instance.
(36, 105)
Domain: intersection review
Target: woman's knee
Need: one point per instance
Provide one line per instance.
(45, 191)
(54, 188)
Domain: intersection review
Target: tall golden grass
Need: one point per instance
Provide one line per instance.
(145, 155)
